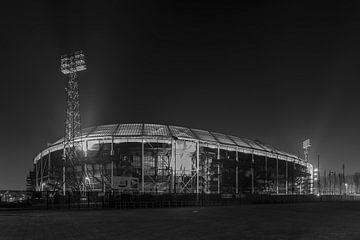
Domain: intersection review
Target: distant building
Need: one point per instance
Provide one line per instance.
(30, 182)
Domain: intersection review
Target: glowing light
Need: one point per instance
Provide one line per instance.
(84, 147)
(87, 179)
(72, 63)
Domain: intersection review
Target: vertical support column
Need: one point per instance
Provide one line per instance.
(112, 164)
(218, 169)
(172, 164)
(36, 176)
(104, 184)
(85, 177)
(112, 174)
(85, 148)
(237, 172)
(156, 161)
(41, 172)
(83, 145)
(266, 175)
(112, 147)
(175, 172)
(64, 186)
(286, 177)
(277, 174)
(325, 183)
(197, 168)
(318, 176)
(49, 166)
(103, 177)
(63, 172)
(142, 167)
(293, 178)
(252, 173)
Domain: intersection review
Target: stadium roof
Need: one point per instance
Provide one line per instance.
(174, 132)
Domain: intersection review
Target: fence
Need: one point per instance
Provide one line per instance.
(93, 200)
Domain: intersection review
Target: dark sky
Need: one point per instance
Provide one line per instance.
(279, 73)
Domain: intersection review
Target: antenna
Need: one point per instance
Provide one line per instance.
(70, 65)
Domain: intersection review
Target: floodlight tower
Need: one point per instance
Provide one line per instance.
(306, 147)
(70, 65)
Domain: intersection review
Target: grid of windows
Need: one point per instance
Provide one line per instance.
(129, 130)
(222, 138)
(252, 144)
(204, 135)
(104, 130)
(239, 142)
(173, 170)
(181, 132)
(263, 146)
(156, 130)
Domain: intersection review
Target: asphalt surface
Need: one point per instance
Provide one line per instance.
(338, 220)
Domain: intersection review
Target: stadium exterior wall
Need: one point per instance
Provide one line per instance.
(152, 158)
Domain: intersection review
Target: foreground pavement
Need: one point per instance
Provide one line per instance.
(340, 220)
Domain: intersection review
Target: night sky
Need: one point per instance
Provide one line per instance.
(279, 73)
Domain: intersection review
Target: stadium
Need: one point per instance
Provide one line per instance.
(162, 159)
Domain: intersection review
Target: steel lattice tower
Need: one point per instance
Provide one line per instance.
(70, 65)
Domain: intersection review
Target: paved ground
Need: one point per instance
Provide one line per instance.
(272, 221)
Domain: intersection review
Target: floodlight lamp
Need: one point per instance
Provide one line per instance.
(72, 63)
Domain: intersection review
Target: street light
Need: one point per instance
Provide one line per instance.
(316, 178)
(346, 187)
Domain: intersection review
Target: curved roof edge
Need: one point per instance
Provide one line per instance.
(173, 132)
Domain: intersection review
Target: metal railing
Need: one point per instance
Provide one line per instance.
(94, 200)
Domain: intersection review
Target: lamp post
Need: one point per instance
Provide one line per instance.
(346, 188)
(316, 180)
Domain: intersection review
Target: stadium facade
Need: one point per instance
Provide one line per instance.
(156, 159)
